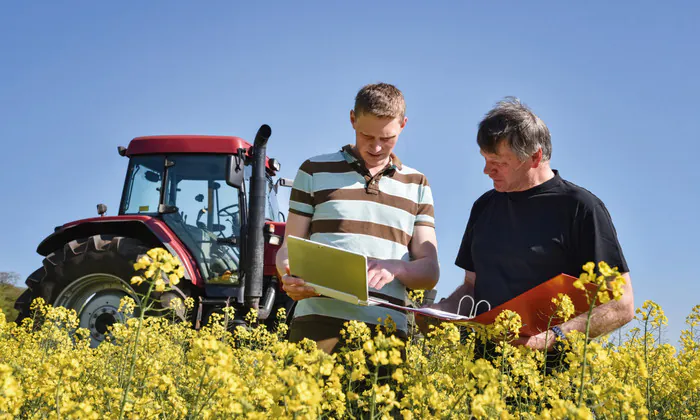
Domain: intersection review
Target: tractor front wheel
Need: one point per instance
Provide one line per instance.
(90, 276)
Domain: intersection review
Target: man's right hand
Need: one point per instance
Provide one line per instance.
(296, 288)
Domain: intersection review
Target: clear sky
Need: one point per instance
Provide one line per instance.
(617, 84)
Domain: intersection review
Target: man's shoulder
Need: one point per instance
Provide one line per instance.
(326, 162)
(411, 175)
(486, 197)
(328, 157)
(579, 195)
(482, 202)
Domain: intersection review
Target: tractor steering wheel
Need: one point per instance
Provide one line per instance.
(226, 212)
(234, 215)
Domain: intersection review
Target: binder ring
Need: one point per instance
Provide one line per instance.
(475, 306)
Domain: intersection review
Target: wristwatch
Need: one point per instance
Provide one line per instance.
(558, 332)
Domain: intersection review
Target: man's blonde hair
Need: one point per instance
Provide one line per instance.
(381, 100)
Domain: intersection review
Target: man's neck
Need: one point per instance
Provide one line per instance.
(538, 176)
(374, 169)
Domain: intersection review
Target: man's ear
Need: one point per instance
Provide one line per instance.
(403, 124)
(352, 118)
(537, 158)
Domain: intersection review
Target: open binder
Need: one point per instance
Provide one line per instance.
(342, 275)
(535, 306)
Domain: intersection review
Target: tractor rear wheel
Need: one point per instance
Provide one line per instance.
(91, 276)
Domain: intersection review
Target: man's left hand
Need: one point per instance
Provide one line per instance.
(381, 272)
(541, 341)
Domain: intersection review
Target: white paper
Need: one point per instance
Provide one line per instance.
(434, 313)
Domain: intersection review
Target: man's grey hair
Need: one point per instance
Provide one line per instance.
(513, 122)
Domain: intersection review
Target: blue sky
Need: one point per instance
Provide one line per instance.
(616, 83)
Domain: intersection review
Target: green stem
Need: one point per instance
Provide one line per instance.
(457, 402)
(199, 391)
(136, 342)
(585, 346)
(544, 362)
(58, 393)
(646, 362)
(503, 366)
(373, 404)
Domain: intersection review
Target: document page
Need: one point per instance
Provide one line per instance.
(435, 313)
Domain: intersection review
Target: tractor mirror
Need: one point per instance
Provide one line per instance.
(152, 176)
(234, 171)
(283, 182)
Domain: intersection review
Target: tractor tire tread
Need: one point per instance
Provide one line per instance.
(57, 266)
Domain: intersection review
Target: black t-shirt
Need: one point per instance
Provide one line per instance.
(515, 241)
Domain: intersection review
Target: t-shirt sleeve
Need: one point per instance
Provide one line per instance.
(425, 215)
(597, 240)
(464, 256)
(301, 200)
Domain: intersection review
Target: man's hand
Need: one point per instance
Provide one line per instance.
(381, 272)
(296, 288)
(541, 341)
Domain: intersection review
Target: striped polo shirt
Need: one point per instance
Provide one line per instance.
(371, 215)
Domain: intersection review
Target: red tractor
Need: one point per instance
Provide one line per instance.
(211, 201)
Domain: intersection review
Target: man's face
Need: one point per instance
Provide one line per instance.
(508, 173)
(375, 137)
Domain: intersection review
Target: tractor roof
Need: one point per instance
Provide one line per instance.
(172, 144)
(147, 145)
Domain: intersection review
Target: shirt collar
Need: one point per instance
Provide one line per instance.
(351, 157)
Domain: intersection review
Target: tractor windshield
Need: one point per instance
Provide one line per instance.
(207, 219)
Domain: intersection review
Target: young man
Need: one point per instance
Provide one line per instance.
(364, 199)
(534, 225)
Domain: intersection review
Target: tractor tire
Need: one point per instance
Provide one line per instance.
(89, 275)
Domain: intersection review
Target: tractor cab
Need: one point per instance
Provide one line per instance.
(191, 184)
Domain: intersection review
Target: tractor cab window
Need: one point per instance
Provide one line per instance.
(143, 178)
(207, 217)
(272, 211)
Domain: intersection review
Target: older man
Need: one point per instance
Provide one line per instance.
(534, 225)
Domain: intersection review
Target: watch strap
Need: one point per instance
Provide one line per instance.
(558, 332)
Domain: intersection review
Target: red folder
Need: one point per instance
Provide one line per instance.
(535, 306)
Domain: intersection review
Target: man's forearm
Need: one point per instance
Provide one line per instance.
(604, 319)
(281, 260)
(420, 274)
(451, 303)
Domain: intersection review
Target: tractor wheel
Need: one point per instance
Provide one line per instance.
(89, 275)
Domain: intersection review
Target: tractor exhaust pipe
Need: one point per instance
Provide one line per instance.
(256, 220)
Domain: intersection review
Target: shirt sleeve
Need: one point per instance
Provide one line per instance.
(425, 216)
(301, 200)
(597, 240)
(464, 256)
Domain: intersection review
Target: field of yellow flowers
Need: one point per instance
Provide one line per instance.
(155, 367)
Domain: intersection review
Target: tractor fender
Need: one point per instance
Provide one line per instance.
(152, 231)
